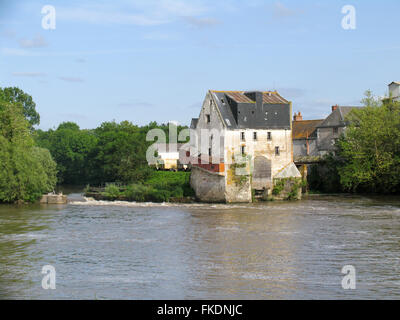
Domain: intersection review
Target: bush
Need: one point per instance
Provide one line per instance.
(112, 191)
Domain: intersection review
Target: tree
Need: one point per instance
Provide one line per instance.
(26, 171)
(16, 96)
(370, 149)
(120, 154)
(71, 148)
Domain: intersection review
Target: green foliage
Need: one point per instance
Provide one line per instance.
(111, 191)
(282, 185)
(367, 156)
(26, 171)
(159, 187)
(297, 185)
(240, 179)
(113, 152)
(324, 177)
(17, 97)
(370, 151)
(71, 149)
(279, 185)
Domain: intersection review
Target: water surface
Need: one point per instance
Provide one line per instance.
(289, 250)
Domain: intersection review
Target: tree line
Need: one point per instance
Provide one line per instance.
(112, 152)
(33, 161)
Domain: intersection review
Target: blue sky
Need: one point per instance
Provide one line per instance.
(154, 60)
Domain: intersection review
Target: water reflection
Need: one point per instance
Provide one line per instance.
(20, 227)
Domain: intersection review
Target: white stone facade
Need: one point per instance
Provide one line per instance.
(267, 152)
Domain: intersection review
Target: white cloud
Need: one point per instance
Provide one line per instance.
(282, 11)
(29, 74)
(36, 42)
(99, 17)
(136, 12)
(201, 22)
(71, 79)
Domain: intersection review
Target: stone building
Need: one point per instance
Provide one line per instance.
(304, 133)
(332, 128)
(239, 144)
(169, 155)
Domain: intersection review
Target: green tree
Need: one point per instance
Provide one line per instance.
(16, 96)
(369, 152)
(70, 148)
(26, 171)
(120, 154)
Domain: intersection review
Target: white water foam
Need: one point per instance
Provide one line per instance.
(92, 202)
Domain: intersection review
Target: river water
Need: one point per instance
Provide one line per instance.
(276, 250)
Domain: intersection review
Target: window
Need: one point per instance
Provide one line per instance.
(269, 136)
(255, 136)
(209, 152)
(208, 118)
(243, 150)
(335, 130)
(277, 152)
(242, 136)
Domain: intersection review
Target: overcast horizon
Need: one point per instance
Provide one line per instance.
(155, 60)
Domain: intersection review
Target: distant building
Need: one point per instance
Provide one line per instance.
(169, 155)
(394, 90)
(332, 128)
(256, 125)
(304, 134)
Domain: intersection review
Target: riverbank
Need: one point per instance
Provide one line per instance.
(161, 186)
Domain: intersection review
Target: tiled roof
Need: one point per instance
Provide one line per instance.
(304, 129)
(269, 97)
(241, 110)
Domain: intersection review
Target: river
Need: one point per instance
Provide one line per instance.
(275, 250)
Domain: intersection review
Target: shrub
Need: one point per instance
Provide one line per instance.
(112, 191)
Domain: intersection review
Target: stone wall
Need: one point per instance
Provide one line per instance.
(327, 137)
(238, 187)
(208, 186)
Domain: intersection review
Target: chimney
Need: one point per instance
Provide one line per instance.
(334, 108)
(297, 117)
(256, 96)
